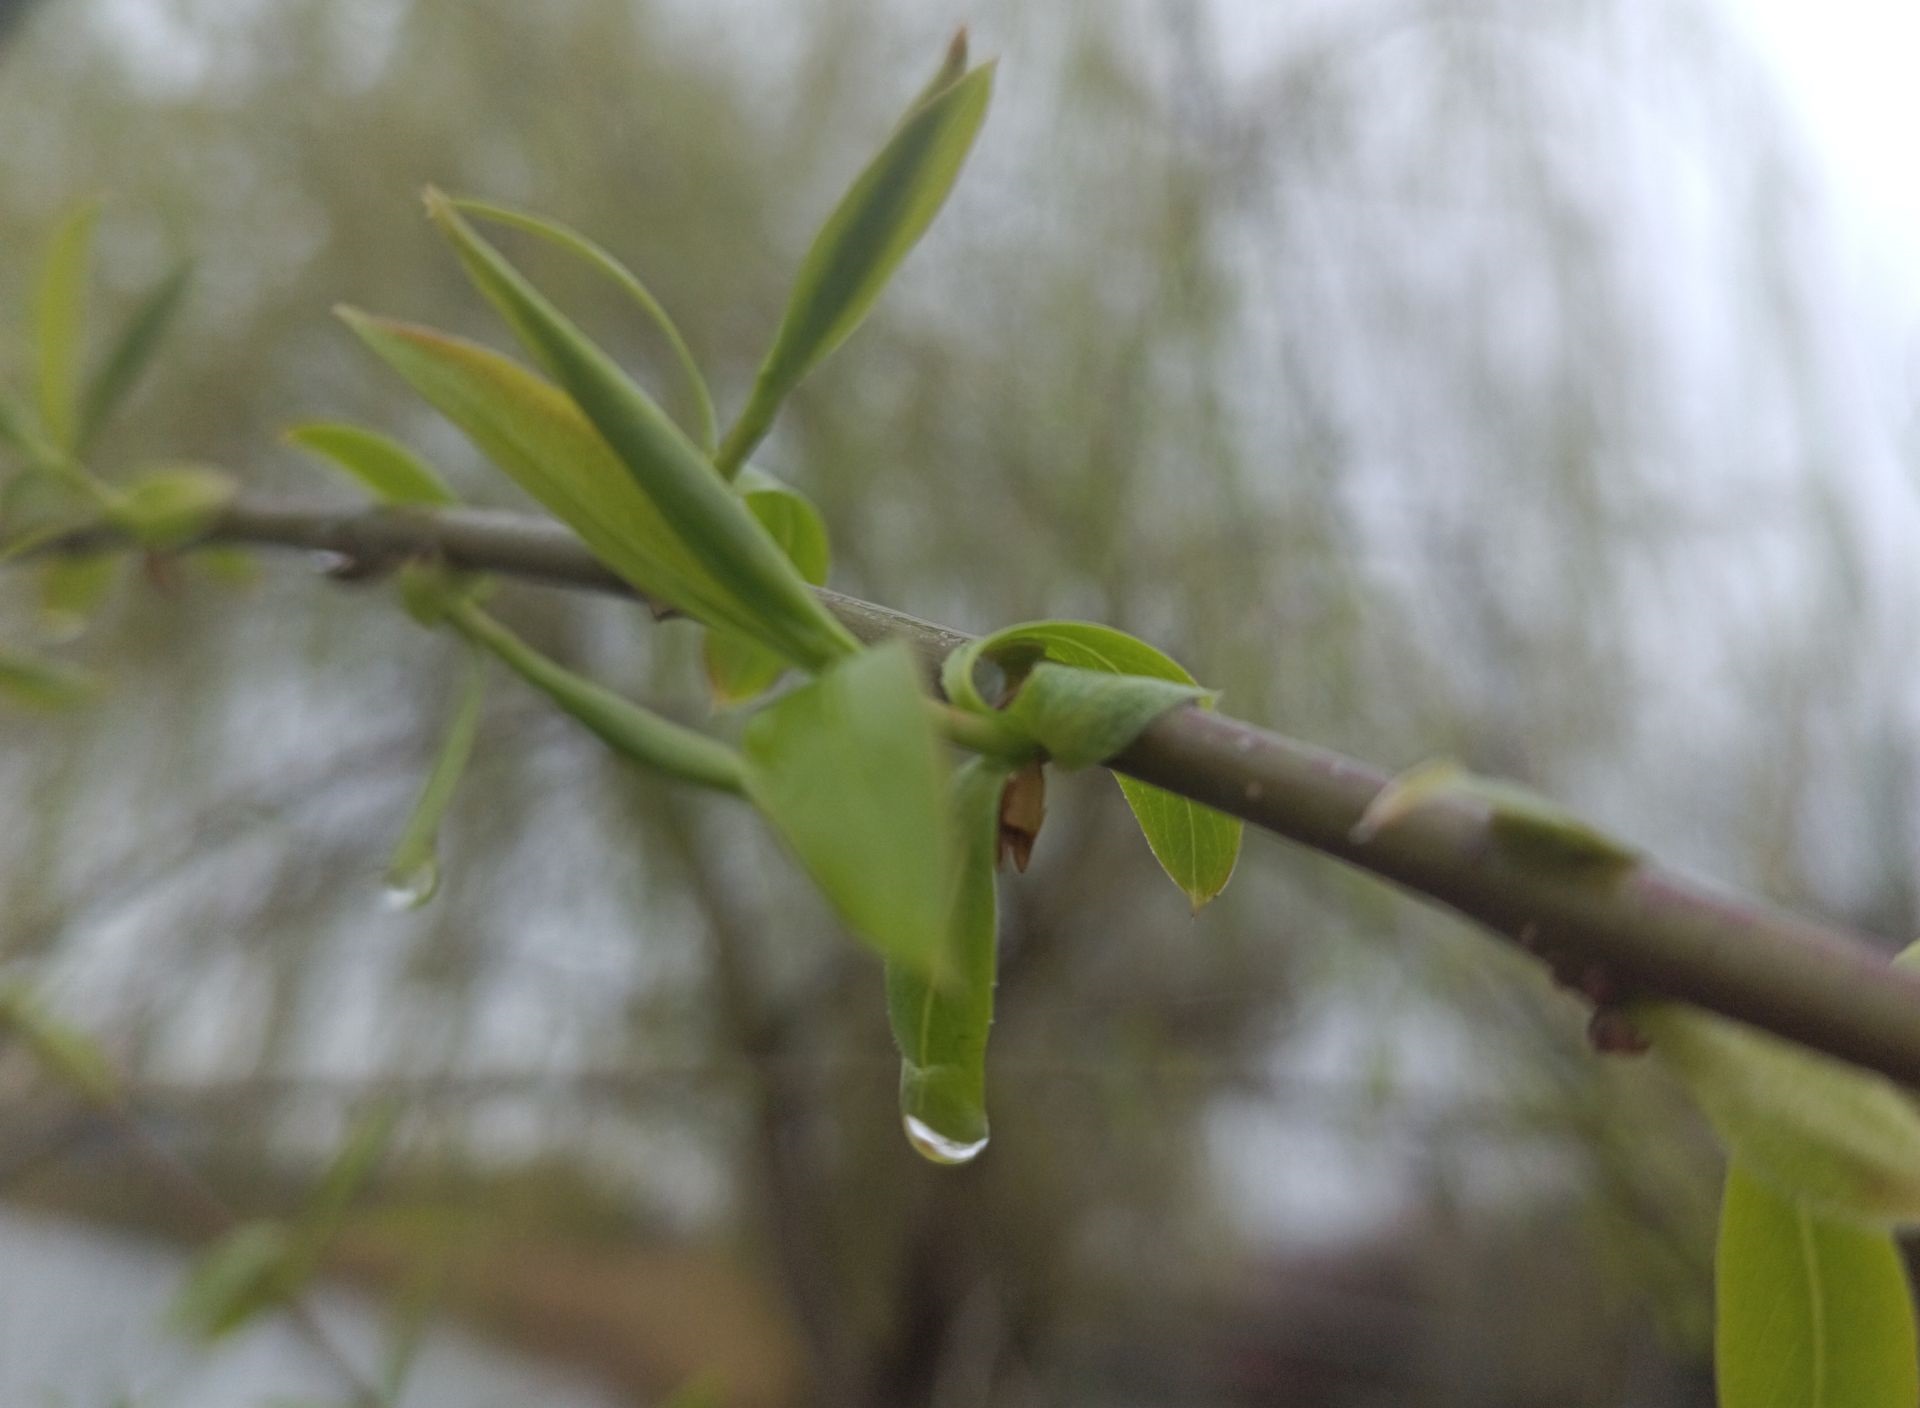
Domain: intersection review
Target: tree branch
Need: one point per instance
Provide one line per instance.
(1641, 930)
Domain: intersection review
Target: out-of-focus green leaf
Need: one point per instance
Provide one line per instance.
(703, 429)
(1810, 1313)
(72, 587)
(19, 434)
(413, 872)
(44, 684)
(877, 222)
(169, 508)
(228, 565)
(1195, 845)
(346, 1174)
(119, 371)
(737, 668)
(60, 312)
(625, 727)
(1844, 1141)
(941, 1025)
(246, 1272)
(851, 774)
(384, 467)
(64, 1052)
(707, 1389)
(706, 516)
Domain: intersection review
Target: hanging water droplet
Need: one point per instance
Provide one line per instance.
(414, 886)
(929, 1143)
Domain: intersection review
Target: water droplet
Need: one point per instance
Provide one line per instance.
(412, 888)
(929, 1143)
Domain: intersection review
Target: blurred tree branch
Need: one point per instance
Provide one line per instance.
(1639, 931)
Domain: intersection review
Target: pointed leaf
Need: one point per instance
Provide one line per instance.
(706, 516)
(1842, 1140)
(346, 1174)
(120, 369)
(531, 430)
(64, 1052)
(941, 1026)
(246, 1272)
(44, 684)
(1809, 1313)
(633, 732)
(737, 668)
(413, 872)
(704, 431)
(384, 467)
(169, 508)
(870, 232)
(60, 321)
(1195, 845)
(851, 774)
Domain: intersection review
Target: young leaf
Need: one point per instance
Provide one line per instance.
(737, 668)
(67, 1054)
(120, 370)
(169, 508)
(532, 431)
(247, 1271)
(1083, 716)
(625, 727)
(851, 774)
(704, 430)
(877, 222)
(413, 872)
(1809, 1313)
(1844, 1141)
(44, 684)
(705, 514)
(941, 1025)
(1533, 826)
(1195, 845)
(385, 468)
(72, 586)
(60, 319)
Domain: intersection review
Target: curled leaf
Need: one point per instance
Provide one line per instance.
(413, 871)
(869, 233)
(1195, 845)
(633, 732)
(941, 1024)
(850, 772)
(706, 517)
(384, 467)
(704, 430)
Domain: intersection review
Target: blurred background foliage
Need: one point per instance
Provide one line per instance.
(1432, 376)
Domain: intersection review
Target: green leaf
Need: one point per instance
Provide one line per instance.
(1195, 845)
(1082, 717)
(346, 1174)
(19, 434)
(1535, 827)
(531, 430)
(413, 872)
(705, 514)
(60, 321)
(119, 371)
(877, 222)
(44, 684)
(1809, 1313)
(72, 588)
(851, 774)
(169, 508)
(633, 732)
(737, 668)
(704, 430)
(941, 1026)
(1842, 1140)
(384, 467)
(244, 1273)
(64, 1052)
